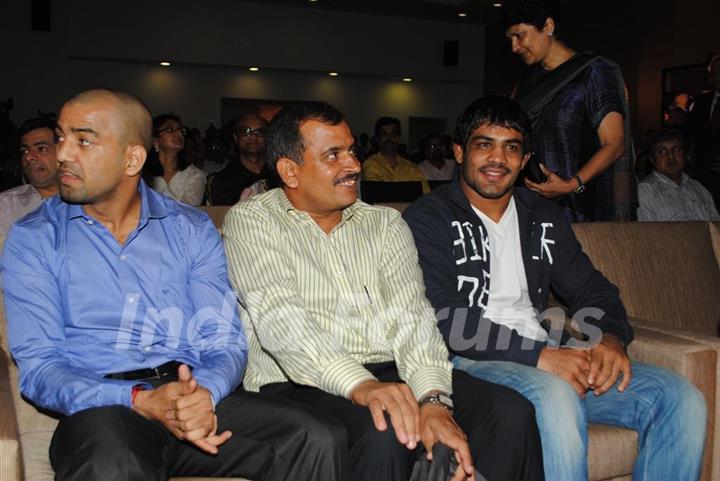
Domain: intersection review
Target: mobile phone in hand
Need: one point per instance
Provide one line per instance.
(532, 171)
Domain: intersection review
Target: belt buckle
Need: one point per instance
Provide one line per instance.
(157, 373)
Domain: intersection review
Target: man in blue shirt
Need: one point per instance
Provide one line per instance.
(121, 319)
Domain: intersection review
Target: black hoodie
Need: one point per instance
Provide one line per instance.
(453, 246)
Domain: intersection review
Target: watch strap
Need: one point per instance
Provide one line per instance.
(440, 399)
(581, 185)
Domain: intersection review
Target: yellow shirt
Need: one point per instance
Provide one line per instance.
(316, 307)
(376, 168)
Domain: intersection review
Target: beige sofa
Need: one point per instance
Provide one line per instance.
(669, 279)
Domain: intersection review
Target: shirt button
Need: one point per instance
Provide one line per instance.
(338, 274)
(90, 222)
(146, 348)
(540, 291)
(131, 299)
(123, 257)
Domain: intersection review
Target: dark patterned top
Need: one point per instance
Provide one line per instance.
(565, 135)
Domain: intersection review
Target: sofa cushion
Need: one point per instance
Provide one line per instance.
(10, 467)
(665, 271)
(29, 419)
(216, 213)
(715, 236)
(35, 455)
(611, 451)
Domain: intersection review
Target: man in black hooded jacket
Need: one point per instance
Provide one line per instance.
(490, 254)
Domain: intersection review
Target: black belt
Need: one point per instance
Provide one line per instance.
(166, 373)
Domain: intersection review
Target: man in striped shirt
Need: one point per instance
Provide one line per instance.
(337, 319)
(669, 194)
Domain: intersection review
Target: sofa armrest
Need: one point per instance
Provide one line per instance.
(10, 461)
(687, 354)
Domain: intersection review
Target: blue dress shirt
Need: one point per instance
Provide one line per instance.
(80, 305)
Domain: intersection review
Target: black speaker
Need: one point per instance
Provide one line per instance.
(40, 15)
(451, 53)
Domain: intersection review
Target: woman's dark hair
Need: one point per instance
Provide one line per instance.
(492, 110)
(152, 167)
(531, 12)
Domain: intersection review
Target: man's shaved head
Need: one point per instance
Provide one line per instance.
(103, 137)
(132, 117)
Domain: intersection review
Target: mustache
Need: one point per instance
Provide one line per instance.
(494, 166)
(66, 170)
(354, 176)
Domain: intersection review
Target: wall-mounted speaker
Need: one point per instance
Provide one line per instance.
(451, 53)
(40, 15)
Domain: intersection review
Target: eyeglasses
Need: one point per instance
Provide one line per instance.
(249, 131)
(173, 128)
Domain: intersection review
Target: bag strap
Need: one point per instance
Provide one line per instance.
(535, 100)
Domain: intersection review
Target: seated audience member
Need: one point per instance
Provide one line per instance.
(195, 149)
(249, 165)
(217, 153)
(669, 194)
(170, 171)
(39, 165)
(437, 165)
(338, 321)
(387, 165)
(122, 320)
(490, 253)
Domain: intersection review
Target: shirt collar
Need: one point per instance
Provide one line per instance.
(287, 206)
(151, 206)
(667, 180)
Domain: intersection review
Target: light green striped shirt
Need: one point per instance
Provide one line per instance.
(318, 306)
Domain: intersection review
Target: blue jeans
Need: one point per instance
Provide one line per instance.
(666, 410)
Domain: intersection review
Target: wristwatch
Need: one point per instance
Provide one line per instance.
(439, 398)
(581, 185)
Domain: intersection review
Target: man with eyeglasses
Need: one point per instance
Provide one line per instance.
(39, 165)
(669, 194)
(249, 166)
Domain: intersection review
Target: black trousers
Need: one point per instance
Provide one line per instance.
(271, 440)
(499, 423)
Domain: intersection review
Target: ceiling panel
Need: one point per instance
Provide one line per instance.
(476, 11)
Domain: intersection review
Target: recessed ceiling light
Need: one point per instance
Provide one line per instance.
(462, 14)
(407, 79)
(497, 4)
(333, 74)
(253, 69)
(165, 64)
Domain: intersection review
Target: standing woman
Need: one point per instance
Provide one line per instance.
(168, 170)
(580, 118)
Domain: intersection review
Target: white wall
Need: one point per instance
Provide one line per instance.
(119, 44)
